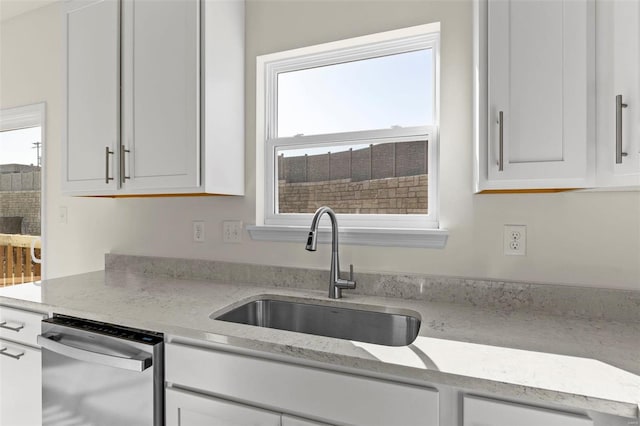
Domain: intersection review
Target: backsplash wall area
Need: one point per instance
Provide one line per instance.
(589, 239)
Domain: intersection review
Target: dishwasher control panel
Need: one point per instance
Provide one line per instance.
(118, 331)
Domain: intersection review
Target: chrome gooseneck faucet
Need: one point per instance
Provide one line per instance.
(336, 284)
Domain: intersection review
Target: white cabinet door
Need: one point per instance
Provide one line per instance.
(288, 420)
(190, 409)
(540, 94)
(20, 385)
(487, 412)
(161, 66)
(618, 75)
(133, 83)
(223, 93)
(92, 96)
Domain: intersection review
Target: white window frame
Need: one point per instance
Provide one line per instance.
(23, 117)
(364, 227)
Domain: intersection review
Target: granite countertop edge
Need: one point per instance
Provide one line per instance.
(182, 308)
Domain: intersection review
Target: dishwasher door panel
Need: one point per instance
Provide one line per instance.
(98, 374)
(78, 392)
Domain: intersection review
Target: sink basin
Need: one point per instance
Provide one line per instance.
(382, 328)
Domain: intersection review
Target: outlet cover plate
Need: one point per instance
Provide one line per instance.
(515, 240)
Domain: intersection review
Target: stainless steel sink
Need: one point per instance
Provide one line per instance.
(382, 328)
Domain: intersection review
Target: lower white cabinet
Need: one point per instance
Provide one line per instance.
(297, 421)
(489, 412)
(190, 409)
(185, 408)
(210, 386)
(294, 391)
(20, 385)
(20, 326)
(20, 367)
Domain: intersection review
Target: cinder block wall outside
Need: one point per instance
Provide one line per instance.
(20, 197)
(25, 204)
(20, 181)
(396, 195)
(374, 162)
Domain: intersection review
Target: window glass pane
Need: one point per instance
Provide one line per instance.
(370, 94)
(20, 178)
(21, 146)
(383, 178)
(20, 201)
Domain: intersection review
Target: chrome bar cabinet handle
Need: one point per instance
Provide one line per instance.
(619, 106)
(501, 141)
(107, 153)
(6, 326)
(123, 174)
(3, 351)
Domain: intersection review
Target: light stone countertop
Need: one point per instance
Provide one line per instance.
(571, 362)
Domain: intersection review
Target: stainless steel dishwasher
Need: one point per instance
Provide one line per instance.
(100, 374)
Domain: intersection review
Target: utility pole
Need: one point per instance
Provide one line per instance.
(37, 148)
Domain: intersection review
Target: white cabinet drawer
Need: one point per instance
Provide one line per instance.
(490, 412)
(289, 388)
(20, 385)
(190, 409)
(20, 326)
(297, 421)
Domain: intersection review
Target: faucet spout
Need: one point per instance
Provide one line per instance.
(336, 284)
(312, 242)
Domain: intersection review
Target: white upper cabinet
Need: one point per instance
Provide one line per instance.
(161, 71)
(618, 92)
(174, 124)
(535, 96)
(92, 95)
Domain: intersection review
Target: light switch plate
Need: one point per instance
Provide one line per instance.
(62, 214)
(198, 231)
(232, 231)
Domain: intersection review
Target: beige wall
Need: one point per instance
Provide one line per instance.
(590, 239)
(31, 72)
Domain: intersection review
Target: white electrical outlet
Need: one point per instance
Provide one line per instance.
(515, 240)
(198, 231)
(232, 231)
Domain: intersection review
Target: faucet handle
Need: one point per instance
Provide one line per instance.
(340, 284)
(351, 283)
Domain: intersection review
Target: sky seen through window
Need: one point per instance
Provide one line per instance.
(370, 94)
(17, 146)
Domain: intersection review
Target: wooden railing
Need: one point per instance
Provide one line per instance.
(16, 265)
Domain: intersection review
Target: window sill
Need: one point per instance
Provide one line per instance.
(422, 238)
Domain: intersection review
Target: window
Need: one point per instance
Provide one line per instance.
(352, 125)
(21, 196)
